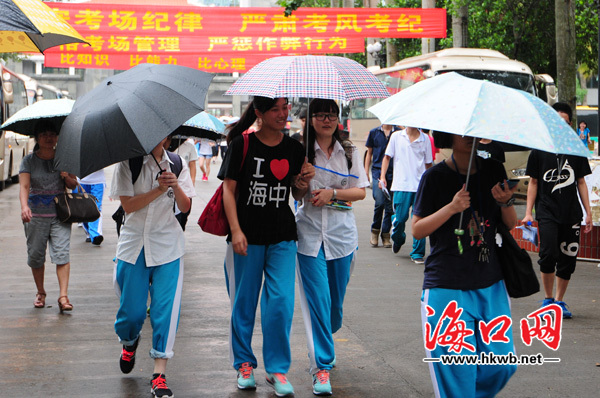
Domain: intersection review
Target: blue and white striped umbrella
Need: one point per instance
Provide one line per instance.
(309, 76)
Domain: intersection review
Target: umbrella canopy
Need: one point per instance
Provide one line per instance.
(31, 26)
(476, 108)
(202, 125)
(128, 114)
(24, 121)
(309, 76)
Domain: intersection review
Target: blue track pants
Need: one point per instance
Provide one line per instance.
(469, 381)
(322, 289)
(244, 277)
(403, 201)
(164, 282)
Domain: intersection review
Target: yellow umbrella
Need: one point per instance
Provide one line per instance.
(31, 26)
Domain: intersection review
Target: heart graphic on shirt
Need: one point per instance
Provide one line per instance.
(279, 168)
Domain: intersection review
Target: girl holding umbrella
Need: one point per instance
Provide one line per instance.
(262, 167)
(465, 273)
(327, 235)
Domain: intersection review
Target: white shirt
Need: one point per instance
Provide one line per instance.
(97, 177)
(409, 160)
(153, 227)
(334, 229)
(187, 151)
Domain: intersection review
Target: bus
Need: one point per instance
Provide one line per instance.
(13, 97)
(475, 63)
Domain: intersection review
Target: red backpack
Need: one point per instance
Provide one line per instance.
(213, 219)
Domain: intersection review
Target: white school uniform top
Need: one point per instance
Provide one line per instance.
(334, 229)
(187, 151)
(153, 227)
(97, 177)
(409, 160)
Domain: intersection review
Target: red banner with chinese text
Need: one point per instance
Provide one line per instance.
(210, 38)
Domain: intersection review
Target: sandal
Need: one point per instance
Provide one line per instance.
(40, 300)
(66, 306)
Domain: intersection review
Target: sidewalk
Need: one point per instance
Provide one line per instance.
(379, 349)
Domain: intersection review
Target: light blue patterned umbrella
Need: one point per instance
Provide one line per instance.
(53, 110)
(476, 108)
(202, 125)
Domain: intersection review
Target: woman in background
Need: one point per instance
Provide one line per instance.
(39, 184)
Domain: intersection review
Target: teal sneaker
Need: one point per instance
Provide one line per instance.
(321, 384)
(281, 385)
(565, 309)
(245, 377)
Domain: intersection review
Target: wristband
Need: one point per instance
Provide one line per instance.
(334, 194)
(510, 202)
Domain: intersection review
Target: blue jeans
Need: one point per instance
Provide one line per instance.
(382, 214)
(403, 201)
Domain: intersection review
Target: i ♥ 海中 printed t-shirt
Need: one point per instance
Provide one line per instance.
(264, 186)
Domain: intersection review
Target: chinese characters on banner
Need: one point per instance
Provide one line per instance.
(451, 331)
(227, 39)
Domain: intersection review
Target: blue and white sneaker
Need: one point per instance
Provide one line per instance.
(546, 302)
(245, 377)
(567, 314)
(281, 385)
(321, 383)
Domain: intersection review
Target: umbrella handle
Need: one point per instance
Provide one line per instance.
(459, 231)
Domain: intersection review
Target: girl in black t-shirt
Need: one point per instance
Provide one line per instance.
(463, 288)
(256, 187)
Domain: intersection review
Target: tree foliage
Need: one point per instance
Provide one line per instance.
(521, 29)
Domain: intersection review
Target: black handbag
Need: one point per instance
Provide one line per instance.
(519, 276)
(76, 207)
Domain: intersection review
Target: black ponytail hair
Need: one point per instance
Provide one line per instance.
(248, 118)
(319, 105)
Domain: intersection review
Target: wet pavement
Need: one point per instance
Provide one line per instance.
(379, 349)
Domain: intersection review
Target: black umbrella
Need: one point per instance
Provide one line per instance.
(128, 114)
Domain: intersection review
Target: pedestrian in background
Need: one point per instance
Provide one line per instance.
(150, 258)
(584, 133)
(377, 142)
(205, 154)
(262, 242)
(94, 184)
(187, 151)
(300, 132)
(411, 151)
(555, 180)
(40, 183)
(327, 236)
(469, 278)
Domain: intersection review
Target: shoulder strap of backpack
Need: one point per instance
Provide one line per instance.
(135, 165)
(177, 163)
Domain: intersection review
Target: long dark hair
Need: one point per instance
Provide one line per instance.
(319, 105)
(248, 118)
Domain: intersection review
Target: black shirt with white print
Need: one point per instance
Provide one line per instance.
(557, 177)
(264, 186)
